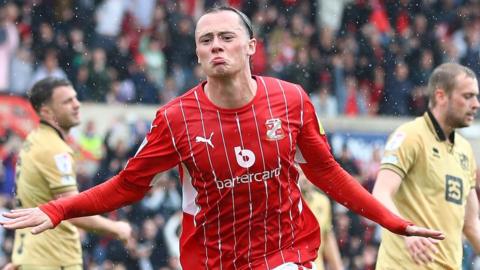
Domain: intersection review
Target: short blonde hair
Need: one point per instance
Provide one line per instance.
(445, 77)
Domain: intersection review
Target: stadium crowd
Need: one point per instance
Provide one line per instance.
(353, 57)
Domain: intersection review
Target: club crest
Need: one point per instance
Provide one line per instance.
(274, 129)
(463, 159)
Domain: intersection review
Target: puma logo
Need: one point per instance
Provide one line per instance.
(205, 140)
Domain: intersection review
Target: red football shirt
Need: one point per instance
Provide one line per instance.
(241, 201)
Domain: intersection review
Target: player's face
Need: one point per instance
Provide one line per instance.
(65, 107)
(463, 102)
(223, 44)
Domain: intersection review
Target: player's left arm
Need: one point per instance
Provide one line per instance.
(322, 170)
(471, 228)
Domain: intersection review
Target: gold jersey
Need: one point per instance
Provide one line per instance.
(321, 208)
(45, 168)
(437, 176)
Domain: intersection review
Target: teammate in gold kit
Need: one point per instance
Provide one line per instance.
(428, 176)
(318, 202)
(45, 171)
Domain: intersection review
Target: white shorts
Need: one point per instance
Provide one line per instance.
(293, 266)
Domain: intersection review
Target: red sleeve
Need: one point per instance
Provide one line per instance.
(156, 154)
(322, 170)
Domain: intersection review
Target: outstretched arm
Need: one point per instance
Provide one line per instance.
(26, 218)
(156, 154)
(108, 196)
(322, 170)
(100, 225)
(344, 189)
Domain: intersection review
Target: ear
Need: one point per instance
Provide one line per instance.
(440, 96)
(196, 53)
(45, 112)
(252, 46)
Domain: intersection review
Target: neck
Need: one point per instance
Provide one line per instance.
(441, 118)
(231, 93)
(62, 132)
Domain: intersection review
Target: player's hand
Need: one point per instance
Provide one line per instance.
(9, 266)
(413, 230)
(25, 218)
(421, 249)
(123, 232)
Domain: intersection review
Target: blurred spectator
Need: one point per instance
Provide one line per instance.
(48, 68)
(282, 51)
(121, 92)
(3, 204)
(378, 86)
(422, 70)
(81, 84)
(8, 42)
(323, 101)
(146, 90)
(21, 71)
(151, 48)
(99, 80)
(181, 51)
(370, 169)
(151, 250)
(143, 11)
(471, 57)
(90, 142)
(8, 157)
(320, 205)
(343, 67)
(109, 15)
(170, 90)
(43, 40)
(397, 93)
(75, 52)
(423, 67)
(356, 101)
(172, 236)
(301, 71)
(347, 162)
(121, 57)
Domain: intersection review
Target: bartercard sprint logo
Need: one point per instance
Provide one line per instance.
(245, 158)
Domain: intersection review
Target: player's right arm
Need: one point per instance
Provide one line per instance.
(118, 229)
(157, 154)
